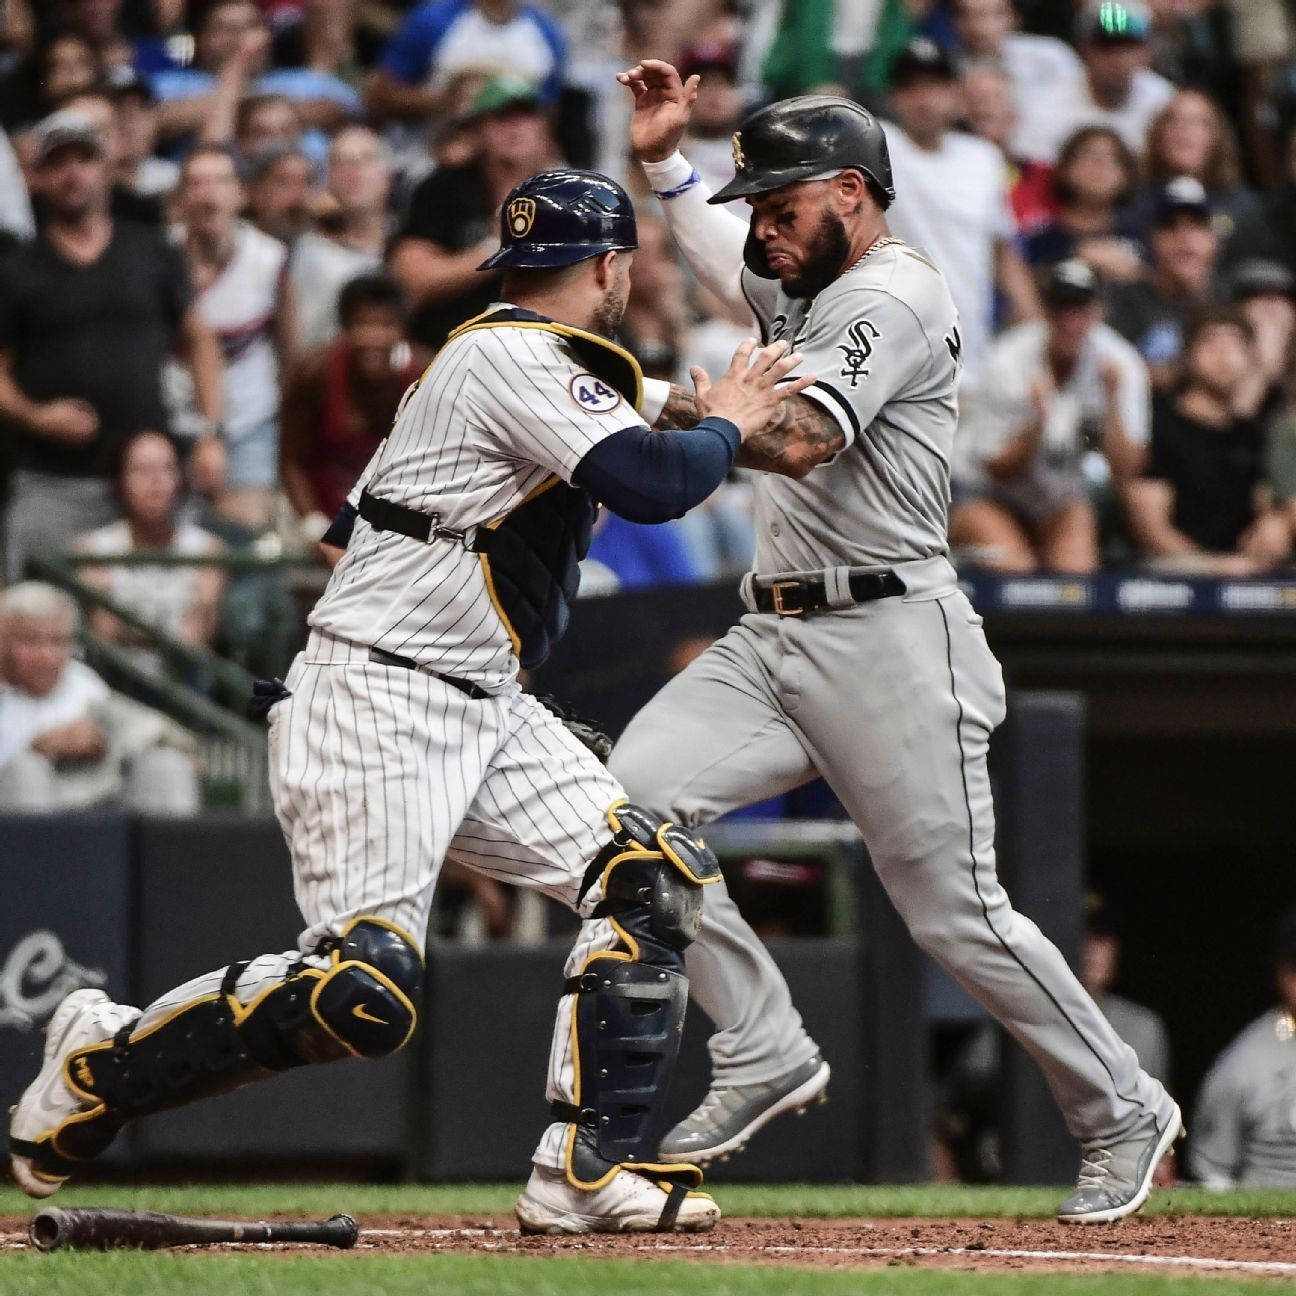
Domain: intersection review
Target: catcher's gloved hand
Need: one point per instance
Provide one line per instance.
(586, 731)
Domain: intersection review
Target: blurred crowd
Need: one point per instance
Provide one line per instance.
(235, 230)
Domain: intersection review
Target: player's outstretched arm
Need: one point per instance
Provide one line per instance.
(710, 238)
(798, 438)
(679, 411)
(648, 476)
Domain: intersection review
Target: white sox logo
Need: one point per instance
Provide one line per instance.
(35, 978)
(521, 216)
(857, 350)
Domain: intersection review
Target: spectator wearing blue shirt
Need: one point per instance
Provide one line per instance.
(442, 40)
(231, 53)
(642, 556)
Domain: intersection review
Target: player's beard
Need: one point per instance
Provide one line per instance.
(610, 311)
(824, 259)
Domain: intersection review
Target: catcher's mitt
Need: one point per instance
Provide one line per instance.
(586, 731)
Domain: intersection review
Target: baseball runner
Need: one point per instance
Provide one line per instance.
(859, 658)
(401, 736)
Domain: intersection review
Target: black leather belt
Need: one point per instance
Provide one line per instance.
(803, 595)
(385, 658)
(383, 515)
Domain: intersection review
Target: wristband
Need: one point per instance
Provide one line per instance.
(656, 392)
(672, 176)
(665, 195)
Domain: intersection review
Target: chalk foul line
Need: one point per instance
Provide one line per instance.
(1218, 1264)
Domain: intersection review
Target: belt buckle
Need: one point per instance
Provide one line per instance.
(776, 592)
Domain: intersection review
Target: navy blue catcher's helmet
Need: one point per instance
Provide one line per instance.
(560, 217)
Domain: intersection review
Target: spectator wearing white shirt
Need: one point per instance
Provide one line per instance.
(1035, 65)
(67, 742)
(243, 295)
(183, 602)
(717, 112)
(15, 204)
(1118, 89)
(1060, 402)
(351, 234)
(953, 199)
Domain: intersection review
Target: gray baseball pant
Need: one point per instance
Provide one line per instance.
(893, 702)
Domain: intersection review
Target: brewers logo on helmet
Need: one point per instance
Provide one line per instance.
(521, 216)
(560, 217)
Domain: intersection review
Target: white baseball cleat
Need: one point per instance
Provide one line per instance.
(628, 1203)
(84, 1017)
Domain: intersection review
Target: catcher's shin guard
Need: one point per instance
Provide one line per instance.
(628, 1013)
(360, 1004)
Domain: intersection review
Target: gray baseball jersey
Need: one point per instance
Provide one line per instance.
(884, 341)
(892, 701)
(1244, 1130)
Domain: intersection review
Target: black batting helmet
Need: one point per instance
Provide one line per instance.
(804, 138)
(560, 217)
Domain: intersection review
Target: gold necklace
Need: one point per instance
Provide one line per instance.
(887, 240)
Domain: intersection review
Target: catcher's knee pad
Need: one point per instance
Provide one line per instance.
(366, 1002)
(630, 1004)
(361, 1005)
(653, 873)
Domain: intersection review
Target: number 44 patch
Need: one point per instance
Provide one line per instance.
(592, 394)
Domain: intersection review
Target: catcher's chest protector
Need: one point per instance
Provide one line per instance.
(531, 557)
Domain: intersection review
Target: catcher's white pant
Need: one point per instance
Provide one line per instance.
(379, 773)
(893, 702)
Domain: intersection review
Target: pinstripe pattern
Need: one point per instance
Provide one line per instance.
(491, 420)
(379, 773)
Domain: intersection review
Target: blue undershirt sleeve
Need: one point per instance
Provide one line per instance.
(647, 476)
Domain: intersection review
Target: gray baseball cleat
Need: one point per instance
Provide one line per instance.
(1115, 1180)
(730, 1114)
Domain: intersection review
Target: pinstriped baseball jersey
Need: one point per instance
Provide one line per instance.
(883, 340)
(500, 412)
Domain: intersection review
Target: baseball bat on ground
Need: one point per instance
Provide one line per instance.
(101, 1229)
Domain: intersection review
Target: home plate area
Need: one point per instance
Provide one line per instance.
(1168, 1244)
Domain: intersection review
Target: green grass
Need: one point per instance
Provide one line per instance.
(361, 1274)
(453, 1275)
(774, 1201)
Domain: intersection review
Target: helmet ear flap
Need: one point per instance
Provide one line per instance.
(754, 256)
(876, 190)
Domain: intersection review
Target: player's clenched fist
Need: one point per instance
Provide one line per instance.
(663, 106)
(750, 392)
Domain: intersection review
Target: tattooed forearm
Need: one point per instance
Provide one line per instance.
(798, 438)
(680, 410)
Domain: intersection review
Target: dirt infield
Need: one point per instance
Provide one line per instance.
(1165, 1244)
